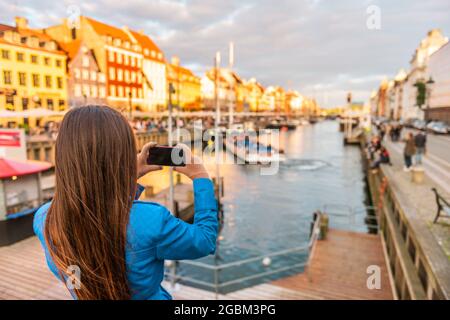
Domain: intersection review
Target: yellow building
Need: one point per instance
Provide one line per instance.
(186, 84)
(255, 93)
(274, 99)
(32, 71)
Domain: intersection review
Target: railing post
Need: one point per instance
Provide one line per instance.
(216, 283)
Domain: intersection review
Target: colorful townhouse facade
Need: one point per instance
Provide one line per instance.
(154, 69)
(86, 83)
(187, 86)
(274, 99)
(255, 92)
(32, 71)
(118, 56)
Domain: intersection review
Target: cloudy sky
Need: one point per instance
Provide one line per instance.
(321, 48)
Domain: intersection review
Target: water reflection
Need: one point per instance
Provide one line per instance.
(264, 214)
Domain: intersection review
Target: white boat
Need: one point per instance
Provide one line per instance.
(251, 152)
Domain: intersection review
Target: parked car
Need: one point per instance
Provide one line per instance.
(409, 123)
(419, 125)
(438, 127)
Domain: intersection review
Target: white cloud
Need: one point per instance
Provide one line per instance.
(298, 44)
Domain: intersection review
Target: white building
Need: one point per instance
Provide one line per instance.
(226, 93)
(154, 71)
(439, 72)
(418, 72)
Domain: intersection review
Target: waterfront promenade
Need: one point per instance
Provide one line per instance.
(419, 196)
(337, 271)
(418, 249)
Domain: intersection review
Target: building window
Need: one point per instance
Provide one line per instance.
(120, 75)
(102, 92)
(140, 93)
(47, 61)
(120, 93)
(34, 59)
(50, 104)
(94, 91)
(10, 101)
(58, 63)
(111, 56)
(112, 90)
(85, 74)
(119, 58)
(36, 83)
(59, 82)
(133, 77)
(101, 77)
(85, 61)
(19, 56)
(86, 90)
(61, 104)
(25, 103)
(22, 79)
(48, 81)
(126, 59)
(93, 75)
(7, 77)
(127, 76)
(77, 90)
(112, 73)
(76, 73)
(133, 92)
(5, 54)
(133, 61)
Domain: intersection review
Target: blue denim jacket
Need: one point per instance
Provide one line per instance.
(153, 235)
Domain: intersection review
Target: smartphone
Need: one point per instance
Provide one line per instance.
(167, 156)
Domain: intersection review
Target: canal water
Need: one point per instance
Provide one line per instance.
(267, 214)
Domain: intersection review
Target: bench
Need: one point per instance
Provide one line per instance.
(443, 206)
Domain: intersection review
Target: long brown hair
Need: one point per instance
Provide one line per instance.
(86, 224)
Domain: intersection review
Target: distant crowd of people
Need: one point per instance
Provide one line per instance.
(413, 151)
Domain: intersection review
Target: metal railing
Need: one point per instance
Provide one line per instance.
(351, 214)
(217, 268)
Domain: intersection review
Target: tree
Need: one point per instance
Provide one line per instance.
(421, 93)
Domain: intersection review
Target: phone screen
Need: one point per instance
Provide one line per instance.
(166, 156)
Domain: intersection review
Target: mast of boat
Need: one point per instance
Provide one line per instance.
(230, 101)
(216, 138)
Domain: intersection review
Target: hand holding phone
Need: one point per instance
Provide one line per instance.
(194, 166)
(142, 167)
(166, 156)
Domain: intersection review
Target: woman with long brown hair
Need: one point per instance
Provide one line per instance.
(94, 225)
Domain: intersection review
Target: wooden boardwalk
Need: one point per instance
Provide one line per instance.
(337, 271)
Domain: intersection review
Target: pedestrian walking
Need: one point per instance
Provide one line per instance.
(420, 141)
(409, 151)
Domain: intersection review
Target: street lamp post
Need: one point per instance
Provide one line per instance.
(429, 83)
(171, 186)
(130, 107)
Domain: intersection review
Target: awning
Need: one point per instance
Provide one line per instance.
(10, 168)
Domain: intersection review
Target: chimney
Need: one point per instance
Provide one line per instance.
(175, 61)
(21, 22)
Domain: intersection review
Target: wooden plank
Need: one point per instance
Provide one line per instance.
(338, 269)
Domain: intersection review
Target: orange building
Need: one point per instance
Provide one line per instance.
(186, 84)
(118, 56)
